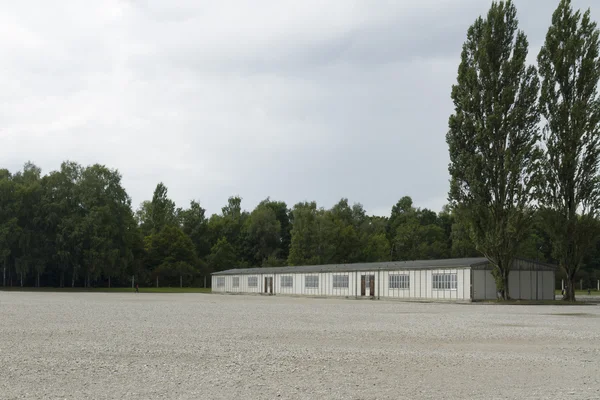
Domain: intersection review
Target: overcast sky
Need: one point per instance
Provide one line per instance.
(296, 100)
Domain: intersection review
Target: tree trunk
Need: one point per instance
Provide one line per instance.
(21, 279)
(500, 273)
(4, 275)
(156, 281)
(109, 281)
(570, 288)
(180, 281)
(62, 279)
(38, 280)
(505, 293)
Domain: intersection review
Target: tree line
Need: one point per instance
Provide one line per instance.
(76, 227)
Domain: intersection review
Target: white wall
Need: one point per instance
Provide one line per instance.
(243, 284)
(526, 285)
(420, 284)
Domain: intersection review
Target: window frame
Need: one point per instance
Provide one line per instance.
(236, 282)
(286, 285)
(315, 278)
(444, 281)
(255, 285)
(398, 281)
(345, 281)
(220, 281)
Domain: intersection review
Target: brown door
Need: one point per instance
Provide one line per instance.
(372, 285)
(362, 285)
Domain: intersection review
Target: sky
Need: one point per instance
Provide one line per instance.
(292, 100)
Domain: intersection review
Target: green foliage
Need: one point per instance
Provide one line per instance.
(195, 224)
(273, 261)
(231, 224)
(418, 234)
(569, 64)
(143, 217)
(162, 210)
(9, 227)
(170, 254)
(493, 136)
(222, 256)
(282, 213)
(264, 232)
(377, 248)
(305, 246)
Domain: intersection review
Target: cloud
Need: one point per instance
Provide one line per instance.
(293, 100)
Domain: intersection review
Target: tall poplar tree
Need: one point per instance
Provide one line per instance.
(493, 137)
(569, 64)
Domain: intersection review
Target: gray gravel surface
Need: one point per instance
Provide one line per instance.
(193, 346)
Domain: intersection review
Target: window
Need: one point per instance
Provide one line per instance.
(220, 281)
(252, 281)
(444, 281)
(236, 281)
(311, 281)
(340, 281)
(287, 281)
(397, 281)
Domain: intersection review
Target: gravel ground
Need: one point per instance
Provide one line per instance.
(192, 346)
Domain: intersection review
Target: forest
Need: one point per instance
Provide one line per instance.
(76, 227)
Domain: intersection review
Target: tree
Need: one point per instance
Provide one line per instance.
(29, 255)
(105, 219)
(195, 225)
(569, 65)
(63, 192)
(304, 248)
(170, 254)
(377, 248)
(8, 219)
(462, 245)
(222, 256)
(143, 217)
(264, 231)
(493, 136)
(416, 234)
(232, 225)
(400, 214)
(282, 213)
(340, 233)
(162, 209)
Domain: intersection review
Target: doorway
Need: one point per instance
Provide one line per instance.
(367, 282)
(269, 285)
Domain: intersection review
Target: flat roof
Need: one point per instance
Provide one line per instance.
(474, 263)
(387, 266)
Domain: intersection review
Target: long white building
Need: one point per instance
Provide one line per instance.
(464, 279)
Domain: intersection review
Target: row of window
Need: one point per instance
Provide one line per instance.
(395, 281)
(399, 282)
(444, 281)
